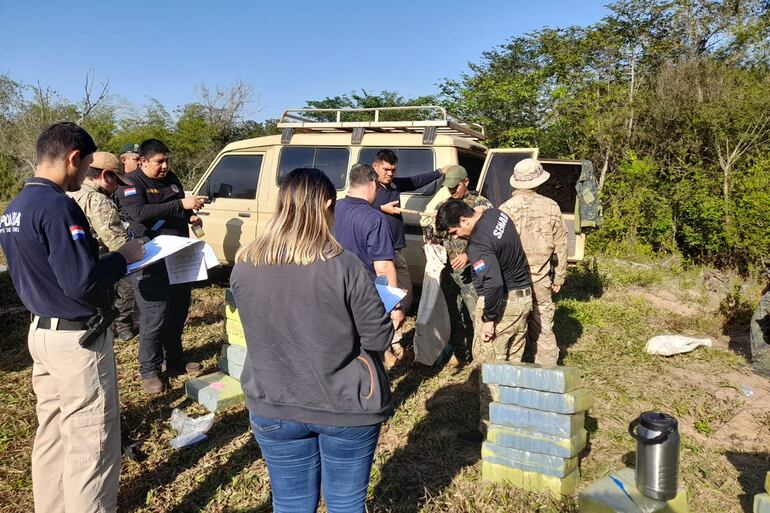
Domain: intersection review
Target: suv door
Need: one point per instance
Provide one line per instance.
(230, 215)
(495, 185)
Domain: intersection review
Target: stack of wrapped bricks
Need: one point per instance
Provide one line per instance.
(221, 390)
(536, 426)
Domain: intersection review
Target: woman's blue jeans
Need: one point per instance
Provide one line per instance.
(303, 458)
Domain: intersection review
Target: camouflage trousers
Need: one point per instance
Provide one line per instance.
(461, 298)
(125, 303)
(540, 336)
(506, 346)
(760, 335)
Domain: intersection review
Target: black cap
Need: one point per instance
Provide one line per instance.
(658, 421)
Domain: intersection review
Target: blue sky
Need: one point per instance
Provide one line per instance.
(290, 51)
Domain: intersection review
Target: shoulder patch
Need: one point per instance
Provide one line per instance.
(479, 265)
(129, 191)
(77, 232)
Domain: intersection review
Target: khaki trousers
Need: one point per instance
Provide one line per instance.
(403, 279)
(506, 346)
(404, 282)
(76, 454)
(540, 334)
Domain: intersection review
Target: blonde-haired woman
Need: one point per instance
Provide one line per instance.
(315, 328)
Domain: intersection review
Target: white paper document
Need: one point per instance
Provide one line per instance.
(186, 259)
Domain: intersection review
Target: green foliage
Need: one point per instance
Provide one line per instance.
(752, 213)
(366, 100)
(668, 98)
(634, 209)
(9, 181)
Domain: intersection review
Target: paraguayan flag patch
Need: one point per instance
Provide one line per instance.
(479, 266)
(77, 232)
(129, 191)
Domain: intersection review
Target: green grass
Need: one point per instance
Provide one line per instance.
(605, 314)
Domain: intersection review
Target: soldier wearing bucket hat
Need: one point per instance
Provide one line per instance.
(102, 180)
(544, 239)
(129, 157)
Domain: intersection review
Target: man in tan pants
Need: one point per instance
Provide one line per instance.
(54, 265)
(501, 278)
(544, 239)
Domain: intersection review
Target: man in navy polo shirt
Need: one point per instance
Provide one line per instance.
(388, 200)
(54, 264)
(364, 231)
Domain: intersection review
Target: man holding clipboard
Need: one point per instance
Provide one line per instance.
(155, 203)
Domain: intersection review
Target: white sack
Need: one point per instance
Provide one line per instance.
(432, 329)
(669, 345)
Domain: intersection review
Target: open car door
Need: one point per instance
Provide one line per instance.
(494, 184)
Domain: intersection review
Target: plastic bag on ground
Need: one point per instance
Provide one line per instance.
(432, 327)
(669, 345)
(190, 431)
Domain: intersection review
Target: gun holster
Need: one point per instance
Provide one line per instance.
(97, 324)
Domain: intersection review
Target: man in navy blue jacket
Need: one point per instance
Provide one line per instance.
(54, 264)
(155, 203)
(388, 200)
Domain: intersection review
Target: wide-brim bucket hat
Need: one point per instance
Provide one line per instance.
(528, 174)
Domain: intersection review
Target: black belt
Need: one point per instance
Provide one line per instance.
(521, 292)
(45, 323)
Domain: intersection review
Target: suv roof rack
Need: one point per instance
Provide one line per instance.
(435, 121)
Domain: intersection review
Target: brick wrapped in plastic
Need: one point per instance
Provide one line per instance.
(531, 375)
(232, 369)
(606, 496)
(762, 503)
(531, 481)
(580, 399)
(534, 441)
(529, 461)
(216, 391)
(234, 333)
(557, 424)
(234, 354)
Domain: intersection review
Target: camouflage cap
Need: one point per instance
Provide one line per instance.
(528, 174)
(454, 175)
(129, 148)
(106, 161)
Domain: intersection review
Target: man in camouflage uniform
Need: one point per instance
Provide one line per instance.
(129, 158)
(760, 332)
(457, 278)
(109, 231)
(544, 239)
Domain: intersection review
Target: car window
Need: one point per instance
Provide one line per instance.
(411, 161)
(332, 161)
(235, 176)
(497, 183)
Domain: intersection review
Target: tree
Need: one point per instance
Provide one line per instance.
(366, 100)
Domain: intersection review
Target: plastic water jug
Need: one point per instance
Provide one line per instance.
(657, 454)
